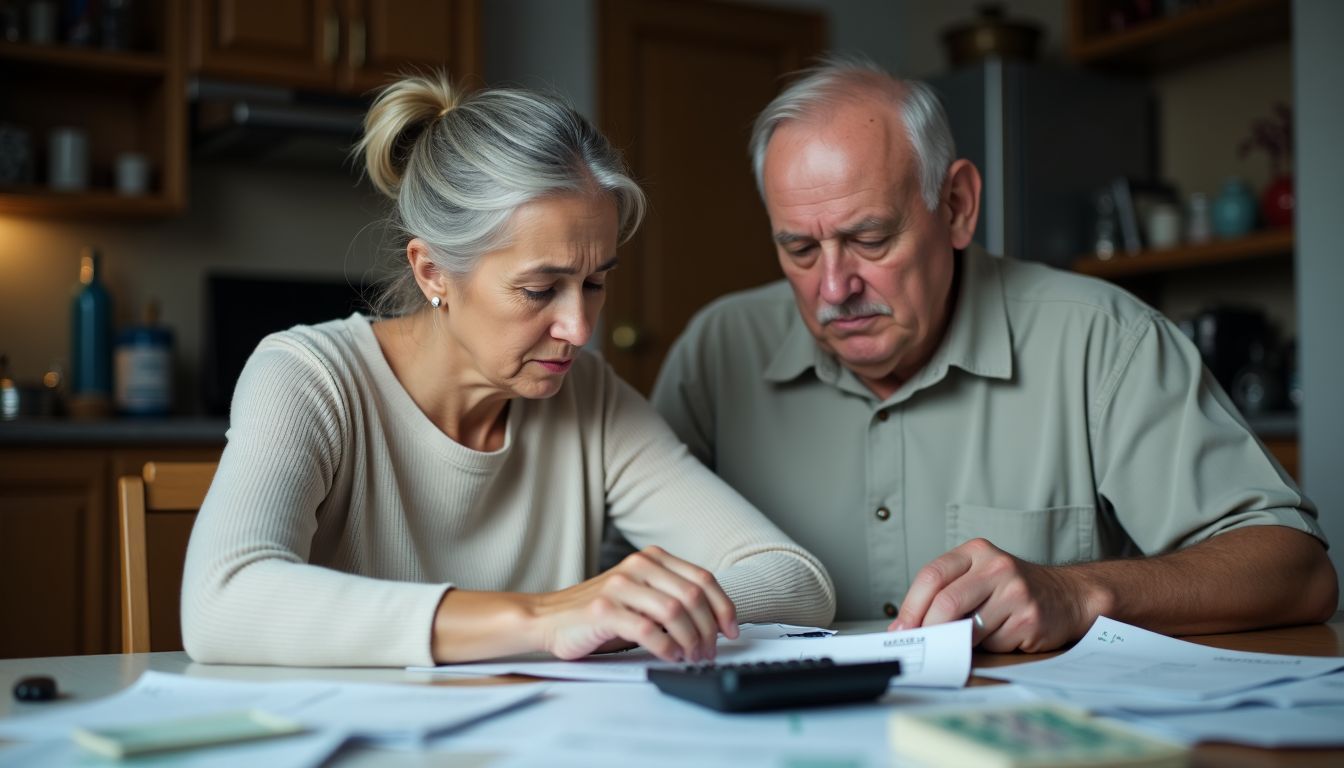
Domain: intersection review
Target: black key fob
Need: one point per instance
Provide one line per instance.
(36, 688)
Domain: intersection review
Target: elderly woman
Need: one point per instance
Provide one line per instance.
(433, 486)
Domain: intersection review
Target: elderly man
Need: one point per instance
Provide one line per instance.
(963, 435)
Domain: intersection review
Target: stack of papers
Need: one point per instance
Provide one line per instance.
(937, 656)
(1173, 689)
(392, 715)
(1193, 692)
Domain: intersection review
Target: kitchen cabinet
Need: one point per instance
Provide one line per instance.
(59, 557)
(52, 562)
(333, 45)
(123, 101)
(1159, 47)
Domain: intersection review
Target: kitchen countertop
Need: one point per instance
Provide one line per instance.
(120, 432)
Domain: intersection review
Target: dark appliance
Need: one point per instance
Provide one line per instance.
(1045, 140)
(242, 310)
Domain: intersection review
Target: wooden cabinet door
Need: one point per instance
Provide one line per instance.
(680, 84)
(53, 585)
(285, 42)
(390, 37)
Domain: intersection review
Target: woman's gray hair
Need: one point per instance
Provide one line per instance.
(840, 79)
(458, 165)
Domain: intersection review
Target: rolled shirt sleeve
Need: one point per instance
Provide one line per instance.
(1174, 459)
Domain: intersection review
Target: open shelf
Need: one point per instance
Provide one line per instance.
(31, 201)
(123, 101)
(73, 59)
(1270, 243)
(1167, 42)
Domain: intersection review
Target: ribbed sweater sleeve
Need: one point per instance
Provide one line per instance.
(340, 514)
(658, 493)
(249, 594)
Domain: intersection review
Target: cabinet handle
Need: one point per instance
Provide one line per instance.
(331, 38)
(358, 43)
(626, 337)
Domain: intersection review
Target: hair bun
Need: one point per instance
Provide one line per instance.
(400, 115)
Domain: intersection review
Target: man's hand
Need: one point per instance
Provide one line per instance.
(1022, 606)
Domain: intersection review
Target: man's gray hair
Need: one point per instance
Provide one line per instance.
(841, 79)
(458, 165)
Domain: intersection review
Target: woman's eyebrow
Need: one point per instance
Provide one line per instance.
(562, 269)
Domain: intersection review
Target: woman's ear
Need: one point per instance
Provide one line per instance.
(431, 279)
(963, 201)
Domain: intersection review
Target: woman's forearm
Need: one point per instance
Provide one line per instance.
(471, 626)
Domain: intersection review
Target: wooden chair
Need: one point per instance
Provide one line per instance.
(176, 488)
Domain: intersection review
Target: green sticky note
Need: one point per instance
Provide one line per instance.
(185, 733)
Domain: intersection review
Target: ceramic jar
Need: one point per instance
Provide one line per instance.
(1234, 209)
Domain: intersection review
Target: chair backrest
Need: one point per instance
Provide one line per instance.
(163, 487)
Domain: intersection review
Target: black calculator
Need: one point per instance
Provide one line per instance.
(775, 684)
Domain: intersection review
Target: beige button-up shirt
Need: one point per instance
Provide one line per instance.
(1061, 419)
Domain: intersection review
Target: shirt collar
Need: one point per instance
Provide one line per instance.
(978, 338)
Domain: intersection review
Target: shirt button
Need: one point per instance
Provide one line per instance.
(889, 609)
(883, 513)
(882, 415)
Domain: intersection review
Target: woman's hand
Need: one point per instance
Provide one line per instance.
(671, 607)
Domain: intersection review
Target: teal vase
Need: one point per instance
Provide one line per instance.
(1234, 209)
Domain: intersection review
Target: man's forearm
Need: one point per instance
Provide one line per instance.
(1247, 578)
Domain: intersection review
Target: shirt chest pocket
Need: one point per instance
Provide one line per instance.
(1050, 536)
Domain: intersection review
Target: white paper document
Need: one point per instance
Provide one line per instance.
(937, 656)
(1267, 727)
(595, 725)
(780, 631)
(1314, 691)
(408, 713)
(306, 750)
(1122, 659)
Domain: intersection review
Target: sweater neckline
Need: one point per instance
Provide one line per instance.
(410, 417)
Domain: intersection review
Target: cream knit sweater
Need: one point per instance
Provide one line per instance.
(340, 513)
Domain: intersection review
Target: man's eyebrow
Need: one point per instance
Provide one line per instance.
(867, 225)
(786, 238)
(870, 224)
(557, 269)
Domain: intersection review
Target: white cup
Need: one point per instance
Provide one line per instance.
(132, 174)
(68, 159)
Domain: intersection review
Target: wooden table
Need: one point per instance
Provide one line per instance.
(86, 677)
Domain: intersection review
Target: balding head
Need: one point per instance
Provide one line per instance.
(824, 90)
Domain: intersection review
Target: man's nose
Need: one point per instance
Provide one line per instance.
(840, 280)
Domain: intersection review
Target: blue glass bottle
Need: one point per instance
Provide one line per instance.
(91, 334)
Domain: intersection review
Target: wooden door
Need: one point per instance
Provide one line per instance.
(680, 84)
(285, 42)
(52, 580)
(388, 37)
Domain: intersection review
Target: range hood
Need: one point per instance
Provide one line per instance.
(239, 121)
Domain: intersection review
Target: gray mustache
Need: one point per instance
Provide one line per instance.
(830, 312)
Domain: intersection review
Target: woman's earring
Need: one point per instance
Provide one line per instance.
(436, 302)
